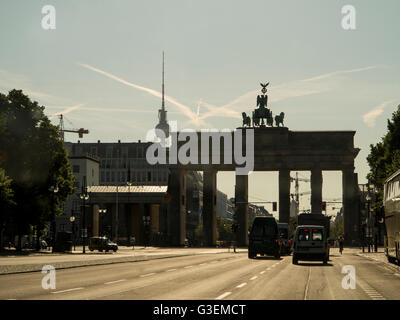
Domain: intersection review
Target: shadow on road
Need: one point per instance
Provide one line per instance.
(267, 258)
(315, 264)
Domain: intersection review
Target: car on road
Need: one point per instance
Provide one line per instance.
(102, 243)
(264, 238)
(310, 244)
(286, 242)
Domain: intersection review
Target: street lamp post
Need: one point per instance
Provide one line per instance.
(72, 219)
(84, 196)
(101, 211)
(368, 198)
(146, 223)
(53, 190)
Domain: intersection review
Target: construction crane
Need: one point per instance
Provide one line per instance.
(296, 195)
(80, 131)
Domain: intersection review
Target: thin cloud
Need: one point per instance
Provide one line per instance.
(183, 108)
(370, 117)
(281, 92)
(335, 73)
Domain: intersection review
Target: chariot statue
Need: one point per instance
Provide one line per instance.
(262, 115)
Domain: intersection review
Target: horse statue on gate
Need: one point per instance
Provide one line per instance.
(256, 120)
(246, 119)
(279, 119)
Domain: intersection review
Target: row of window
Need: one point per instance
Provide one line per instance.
(136, 176)
(122, 163)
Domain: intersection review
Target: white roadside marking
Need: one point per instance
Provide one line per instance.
(223, 296)
(170, 270)
(188, 267)
(254, 278)
(241, 285)
(116, 281)
(73, 289)
(146, 275)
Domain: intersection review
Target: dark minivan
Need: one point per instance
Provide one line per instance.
(264, 238)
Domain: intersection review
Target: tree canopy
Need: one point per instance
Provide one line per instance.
(384, 157)
(34, 159)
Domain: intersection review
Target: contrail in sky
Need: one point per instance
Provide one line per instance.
(66, 111)
(184, 109)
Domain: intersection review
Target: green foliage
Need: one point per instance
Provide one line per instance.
(224, 229)
(384, 157)
(34, 157)
(337, 228)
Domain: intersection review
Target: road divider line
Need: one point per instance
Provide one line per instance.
(262, 272)
(170, 270)
(68, 290)
(254, 278)
(188, 267)
(241, 285)
(224, 295)
(146, 275)
(202, 264)
(116, 281)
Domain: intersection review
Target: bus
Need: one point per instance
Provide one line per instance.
(391, 202)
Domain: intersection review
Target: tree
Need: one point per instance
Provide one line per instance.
(384, 157)
(6, 202)
(34, 157)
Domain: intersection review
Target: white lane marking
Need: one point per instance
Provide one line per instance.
(73, 289)
(308, 283)
(188, 267)
(241, 285)
(223, 295)
(202, 264)
(116, 281)
(273, 266)
(268, 269)
(170, 270)
(262, 272)
(254, 278)
(146, 275)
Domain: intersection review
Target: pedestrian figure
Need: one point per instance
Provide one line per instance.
(235, 228)
(133, 242)
(341, 243)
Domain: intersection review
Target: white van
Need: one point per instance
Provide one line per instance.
(311, 244)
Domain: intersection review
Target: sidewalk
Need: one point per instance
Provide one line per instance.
(36, 261)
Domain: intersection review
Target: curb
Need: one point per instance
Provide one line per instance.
(27, 268)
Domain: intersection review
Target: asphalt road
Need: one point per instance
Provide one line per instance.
(213, 276)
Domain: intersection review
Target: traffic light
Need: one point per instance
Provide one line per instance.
(323, 206)
(274, 206)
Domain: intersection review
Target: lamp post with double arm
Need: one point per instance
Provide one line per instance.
(53, 190)
(84, 196)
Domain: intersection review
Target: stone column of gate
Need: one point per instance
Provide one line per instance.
(316, 190)
(95, 219)
(177, 207)
(349, 214)
(284, 195)
(210, 207)
(242, 208)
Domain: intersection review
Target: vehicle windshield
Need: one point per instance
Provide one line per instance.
(304, 235)
(263, 229)
(284, 233)
(317, 235)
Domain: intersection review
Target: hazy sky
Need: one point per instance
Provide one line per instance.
(99, 63)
